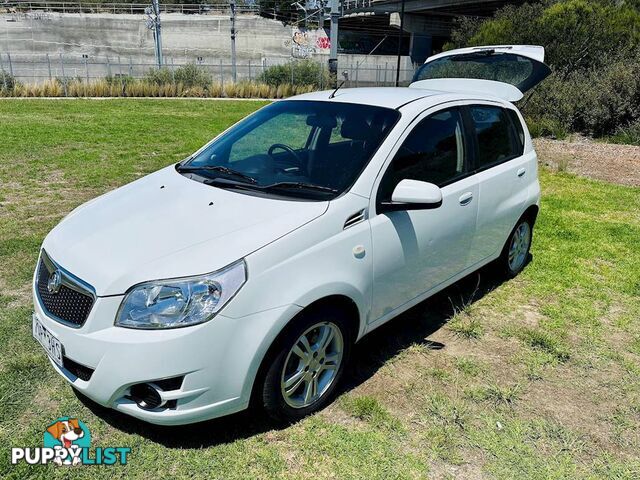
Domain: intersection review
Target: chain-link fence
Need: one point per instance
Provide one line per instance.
(34, 69)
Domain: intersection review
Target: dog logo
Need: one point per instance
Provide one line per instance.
(67, 436)
(54, 282)
(67, 442)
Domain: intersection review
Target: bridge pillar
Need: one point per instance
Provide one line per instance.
(421, 37)
(420, 47)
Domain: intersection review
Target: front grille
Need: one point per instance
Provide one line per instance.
(67, 304)
(80, 371)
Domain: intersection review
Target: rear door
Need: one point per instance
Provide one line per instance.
(415, 251)
(503, 173)
(504, 71)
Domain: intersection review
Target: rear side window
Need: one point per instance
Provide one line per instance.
(433, 152)
(496, 141)
(519, 130)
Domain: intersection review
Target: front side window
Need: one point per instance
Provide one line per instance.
(311, 150)
(496, 142)
(433, 152)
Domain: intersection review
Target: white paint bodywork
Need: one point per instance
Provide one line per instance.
(415, 191)
(296, 252)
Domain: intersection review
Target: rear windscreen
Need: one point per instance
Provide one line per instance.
(519, 71)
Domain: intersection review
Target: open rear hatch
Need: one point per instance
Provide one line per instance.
(504, 71)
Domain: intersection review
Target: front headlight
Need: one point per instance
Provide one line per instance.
(182, 301)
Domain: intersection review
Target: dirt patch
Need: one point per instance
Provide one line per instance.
(584, 156)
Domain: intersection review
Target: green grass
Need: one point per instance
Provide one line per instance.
(466, 326)
(534, 378)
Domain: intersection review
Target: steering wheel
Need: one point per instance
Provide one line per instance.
(290, 151)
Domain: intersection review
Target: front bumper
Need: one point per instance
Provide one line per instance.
(219, 360)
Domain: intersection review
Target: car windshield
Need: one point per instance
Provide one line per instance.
(304, 149)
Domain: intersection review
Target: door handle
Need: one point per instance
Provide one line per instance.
(521, 172)
(465, 198)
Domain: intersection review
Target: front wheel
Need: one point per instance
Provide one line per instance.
(516, 251)
(307, 366)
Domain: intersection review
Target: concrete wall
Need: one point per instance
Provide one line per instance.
(96, 45)
(184, 36)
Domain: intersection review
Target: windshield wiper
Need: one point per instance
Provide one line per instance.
(216, 168)
(299, 186)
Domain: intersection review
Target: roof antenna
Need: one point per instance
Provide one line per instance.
(345, 74)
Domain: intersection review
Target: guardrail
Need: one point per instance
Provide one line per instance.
(133, 8)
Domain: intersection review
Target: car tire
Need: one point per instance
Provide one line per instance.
(295, 366)
(515, 254)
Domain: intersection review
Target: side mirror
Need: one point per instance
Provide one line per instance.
(413, 195)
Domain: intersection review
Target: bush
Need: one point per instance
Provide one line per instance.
(7, 82)
(629, 134)
(144, 88)
(119, 80)
(595, 102)
(546, 127)
(303, 72)
(189, 75)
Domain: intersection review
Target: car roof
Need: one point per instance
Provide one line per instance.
(389, 97)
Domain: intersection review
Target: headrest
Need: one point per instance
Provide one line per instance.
(322, 121)
(355, 129)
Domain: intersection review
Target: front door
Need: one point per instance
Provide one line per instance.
(416, 250)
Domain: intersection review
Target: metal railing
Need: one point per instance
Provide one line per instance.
(355, 4)
(132, 8)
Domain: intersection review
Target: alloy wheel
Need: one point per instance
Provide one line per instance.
(312, 365)
(519, 246)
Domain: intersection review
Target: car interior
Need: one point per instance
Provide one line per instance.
(321, 148)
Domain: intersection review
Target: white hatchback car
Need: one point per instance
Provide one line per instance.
(247, 271)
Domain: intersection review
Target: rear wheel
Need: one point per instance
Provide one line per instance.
(307, 365)
(516, 251)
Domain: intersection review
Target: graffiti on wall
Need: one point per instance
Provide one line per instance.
(304, 43)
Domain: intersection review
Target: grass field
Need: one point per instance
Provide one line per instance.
(538, 377)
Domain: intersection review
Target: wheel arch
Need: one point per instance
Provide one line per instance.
(531, 213)
(341, 301)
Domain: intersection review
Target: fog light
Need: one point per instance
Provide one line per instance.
(145, 396)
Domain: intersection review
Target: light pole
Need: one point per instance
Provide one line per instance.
(400, 43)
(234, 73)
(333, 39)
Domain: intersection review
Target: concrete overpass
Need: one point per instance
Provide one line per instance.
(448, 7)
(427, 23)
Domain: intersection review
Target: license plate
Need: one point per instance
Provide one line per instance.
(50, 343)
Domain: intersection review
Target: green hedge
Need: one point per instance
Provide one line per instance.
(302, 72)
(189, 75)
